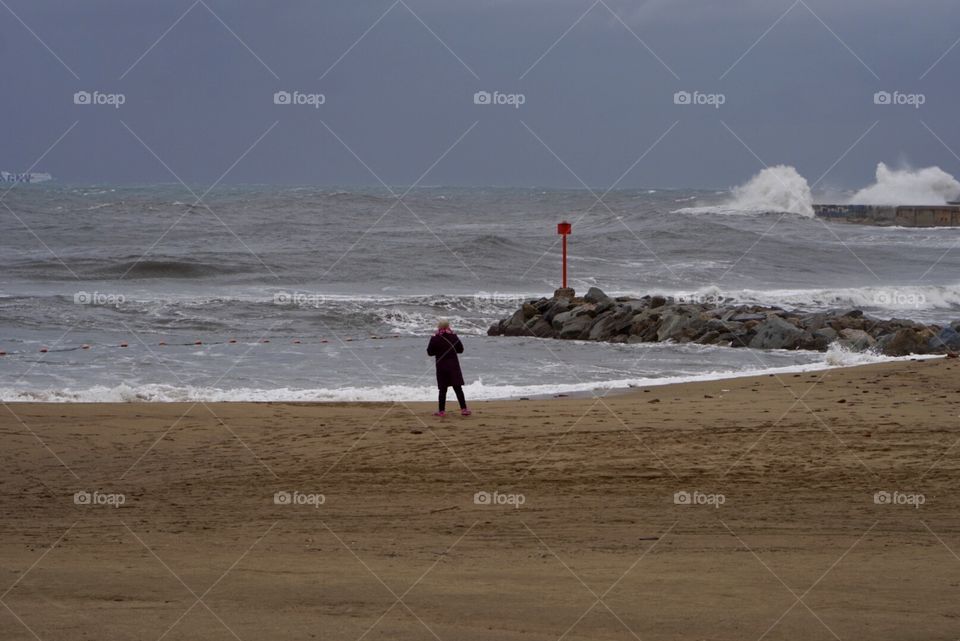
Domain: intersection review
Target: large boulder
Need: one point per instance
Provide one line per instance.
(814, 322)
(856, 340)
(576, 327)
(743, 318)
(559, 319)
(636, 306)
(596, 296)
(644, 325)
(673, 321)
(563, 318)
(539, 328)
(826, 333)
(723, 326)
(611, 325)
(515, 325)
(776, 333)
(556, 306)
(947, 340)
(903, 342)
(542, 304)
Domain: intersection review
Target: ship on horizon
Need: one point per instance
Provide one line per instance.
(24, 177)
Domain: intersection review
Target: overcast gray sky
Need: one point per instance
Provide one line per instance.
(598, 79)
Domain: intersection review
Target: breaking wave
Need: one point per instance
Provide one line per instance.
(155, 393)
(779, 189)
(927, 186)
(902, 300)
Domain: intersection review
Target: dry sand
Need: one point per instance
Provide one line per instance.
(799, 549)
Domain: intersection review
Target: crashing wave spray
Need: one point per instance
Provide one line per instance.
(779, 189)
(927, 186)
(775, 189)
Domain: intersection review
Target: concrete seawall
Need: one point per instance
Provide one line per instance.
(903, 215)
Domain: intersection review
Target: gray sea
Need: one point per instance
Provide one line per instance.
(303, 293)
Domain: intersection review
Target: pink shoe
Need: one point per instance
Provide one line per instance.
(440, 414)
(465, 412)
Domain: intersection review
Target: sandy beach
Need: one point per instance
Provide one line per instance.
(780, 536)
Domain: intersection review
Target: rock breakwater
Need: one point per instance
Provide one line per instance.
(649, 319)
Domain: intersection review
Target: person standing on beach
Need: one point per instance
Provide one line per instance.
(444, 346)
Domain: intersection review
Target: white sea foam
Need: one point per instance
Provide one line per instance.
(893, 298)
(927, 186)
(835, 357)
(782, 189)
(779, 189)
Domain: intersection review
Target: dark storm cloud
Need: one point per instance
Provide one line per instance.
(598, 82)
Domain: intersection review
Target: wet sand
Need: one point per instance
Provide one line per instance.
(780, 534)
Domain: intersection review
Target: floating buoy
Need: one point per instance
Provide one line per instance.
(43, 350)
(347, 340)
(123, 344)
(265, 340)
(232, 340)
(198, 342)
(296, 342)
(84, 347)
(324, 340)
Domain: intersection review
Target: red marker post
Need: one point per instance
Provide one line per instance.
(564, 230)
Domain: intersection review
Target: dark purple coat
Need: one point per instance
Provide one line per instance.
(446, 347)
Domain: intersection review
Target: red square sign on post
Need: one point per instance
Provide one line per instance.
(564, 228)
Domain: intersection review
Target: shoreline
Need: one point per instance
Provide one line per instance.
(600, 388)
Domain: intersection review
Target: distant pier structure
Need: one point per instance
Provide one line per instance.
(893, 215)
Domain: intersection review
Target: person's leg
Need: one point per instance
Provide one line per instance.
(443, 398)
(460, 397)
